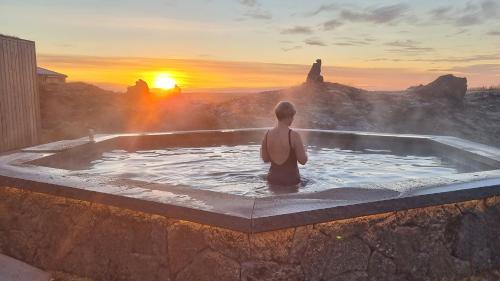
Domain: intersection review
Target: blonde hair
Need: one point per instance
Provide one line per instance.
(284, 109)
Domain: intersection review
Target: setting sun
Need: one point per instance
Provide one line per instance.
(164, 82)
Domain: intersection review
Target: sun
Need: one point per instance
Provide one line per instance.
(164, 82)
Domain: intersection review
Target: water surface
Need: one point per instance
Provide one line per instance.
(239, 170)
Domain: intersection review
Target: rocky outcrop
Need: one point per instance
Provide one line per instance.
(140, 88)
(314, 75)
(446, 87)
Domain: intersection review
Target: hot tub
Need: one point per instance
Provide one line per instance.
(216, 176)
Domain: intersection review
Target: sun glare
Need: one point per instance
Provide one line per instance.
(164, 82)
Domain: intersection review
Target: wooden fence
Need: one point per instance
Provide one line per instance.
(19, 101)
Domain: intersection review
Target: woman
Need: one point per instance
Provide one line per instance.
(283, 147)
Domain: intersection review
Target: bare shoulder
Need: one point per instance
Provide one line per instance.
(296, 137)
(295, 134)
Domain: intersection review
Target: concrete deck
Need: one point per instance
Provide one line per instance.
(14, 270)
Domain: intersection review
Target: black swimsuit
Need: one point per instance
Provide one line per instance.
(286, 173)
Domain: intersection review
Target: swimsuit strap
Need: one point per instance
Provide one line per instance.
(267, 148)
(290, 139)
(265, 139)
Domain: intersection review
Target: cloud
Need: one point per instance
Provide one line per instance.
(254, 10)
(468, 19)
(388, 14)
(249, 3)
(354, 42)
(331, 24)
(477, 69)
(441, 11)
(315, 42)
(473, 69)
(384, 14)
(475, 58)
(385, 59)
(472, 13)
(402, 44)
(490, 9)
(461, 31)
(297, 30)
(291, 48)
(465, 59)
(407, 46)
(258, 14)
(346, 44)
(322, 8)
(494, 33)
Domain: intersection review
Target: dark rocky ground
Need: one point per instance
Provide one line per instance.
(68, 109)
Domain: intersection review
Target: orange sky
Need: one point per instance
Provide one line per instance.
(201, 75)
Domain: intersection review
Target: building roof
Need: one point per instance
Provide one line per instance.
(9, 37)
(46, 72)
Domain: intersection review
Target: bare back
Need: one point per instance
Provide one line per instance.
(278, 144)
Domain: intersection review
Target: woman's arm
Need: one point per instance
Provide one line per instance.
(298, 146)
(263, 150)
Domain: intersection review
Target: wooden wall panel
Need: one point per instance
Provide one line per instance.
(19, 100)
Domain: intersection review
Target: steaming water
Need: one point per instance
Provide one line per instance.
(239, 170)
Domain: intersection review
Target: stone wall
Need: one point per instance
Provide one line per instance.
(449, 242)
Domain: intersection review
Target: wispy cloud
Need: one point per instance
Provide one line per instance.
(477, 69)
(331, 24)
(384, 14)
(315, 42)
(441, 11)
(472, 13)
(468, 19)
(353, 42)
(287, 49)
(258, 14)
(494, 33)
(254, 10)
(475, 58)
(464, 59)
(297, 30)
(249, 3)
(389, 14)
(490, 9)
(322, 8)
(407, 46)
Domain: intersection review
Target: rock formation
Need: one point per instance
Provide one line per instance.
(139, 89)
(314, 75)
(177, 89)
(447, 87)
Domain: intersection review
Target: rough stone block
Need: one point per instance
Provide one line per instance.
(210, 265)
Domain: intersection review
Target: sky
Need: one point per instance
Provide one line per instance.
(261, 44)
